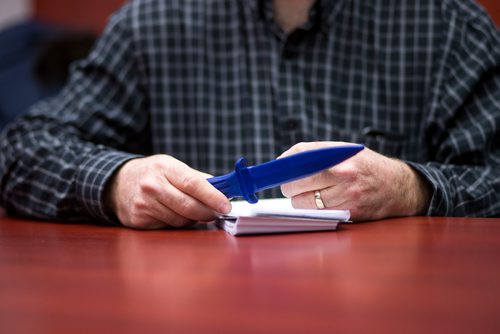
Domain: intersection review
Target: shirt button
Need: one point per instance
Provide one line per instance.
(292, 124)
(289, 54)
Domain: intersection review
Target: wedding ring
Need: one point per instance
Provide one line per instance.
(319, 202)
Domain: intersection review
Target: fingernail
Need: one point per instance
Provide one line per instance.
(225, 208)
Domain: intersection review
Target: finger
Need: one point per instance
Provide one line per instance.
(184, 205)
(169, 220)
(148, 213)
(191, 183)
(331, 197)
(345, 171)
(314, 182)
(146, 223)
(308, 146)
(158, 211)
(304, 201)
(300, 147)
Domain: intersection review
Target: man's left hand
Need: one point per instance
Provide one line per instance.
(370, 185)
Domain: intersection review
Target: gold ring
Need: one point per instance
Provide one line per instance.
(319, 202)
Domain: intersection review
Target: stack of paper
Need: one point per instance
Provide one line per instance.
(278, 216)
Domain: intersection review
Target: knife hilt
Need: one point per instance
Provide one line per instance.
(238, 183)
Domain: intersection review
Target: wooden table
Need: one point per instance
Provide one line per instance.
(413, 275)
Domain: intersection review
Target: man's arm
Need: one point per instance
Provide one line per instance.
(462, 176)
(68, 158)
(55, 160)
(159, 191)
(463, 125)
(369, 184)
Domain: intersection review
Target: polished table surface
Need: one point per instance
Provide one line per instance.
(412, 275)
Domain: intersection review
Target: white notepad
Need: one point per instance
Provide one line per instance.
(278, 216)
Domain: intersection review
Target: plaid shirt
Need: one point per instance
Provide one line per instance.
(208, 81)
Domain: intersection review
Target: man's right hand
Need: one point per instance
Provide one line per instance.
(160, 191)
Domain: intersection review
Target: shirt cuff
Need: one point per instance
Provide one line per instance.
(441, 202)
(93, 175)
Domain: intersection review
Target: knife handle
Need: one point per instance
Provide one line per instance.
(238, 183)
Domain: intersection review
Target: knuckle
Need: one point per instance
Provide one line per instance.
(136, 221)
(355, 193)
(147, 186)
(169, 201)
(301, 147)
(185, 205)
(138, 208)
(190, 183)
(136, 212)
(158, 161)
(157, 165)
(349, 173)
(297, 148)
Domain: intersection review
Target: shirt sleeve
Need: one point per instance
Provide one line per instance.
(463, 125)
(56, 160)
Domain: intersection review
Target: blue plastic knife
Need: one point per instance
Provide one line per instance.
(246, 181)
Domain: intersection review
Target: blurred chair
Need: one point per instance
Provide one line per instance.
(34, 64)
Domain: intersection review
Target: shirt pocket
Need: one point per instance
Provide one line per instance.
(390, 144)
(384, 142)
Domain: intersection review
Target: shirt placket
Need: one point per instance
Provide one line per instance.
(290, 94)
(289, 83)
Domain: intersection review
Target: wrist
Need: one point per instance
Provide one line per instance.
(110, 194)
(94, 174)
(113, 189)
(418, 192)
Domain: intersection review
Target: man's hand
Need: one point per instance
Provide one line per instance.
(369, 184)
(160, 191)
